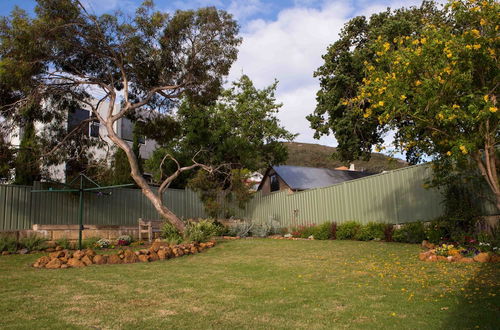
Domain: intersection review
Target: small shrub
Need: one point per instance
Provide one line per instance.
(201, 231)
(90, 242)
(34, 242)
(241, 229)
(170, 233)
(388, 231)
(260, 230)
(103, 243)
(410, 233)
(64, 243)
(348, 230)
(221, 229)
(124, 240)
(322, 232)
(8, 243)
(371, 231)
(303, 231)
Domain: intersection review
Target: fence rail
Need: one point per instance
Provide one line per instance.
(397, 196)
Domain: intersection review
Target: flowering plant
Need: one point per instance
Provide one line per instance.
(446, 250)
(124, 240)
(102, 243)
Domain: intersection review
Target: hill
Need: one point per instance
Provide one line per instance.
(316, 155)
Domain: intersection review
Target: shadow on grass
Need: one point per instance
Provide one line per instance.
(479, 304)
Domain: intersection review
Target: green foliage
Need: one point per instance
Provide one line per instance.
(27, 163)
(64, 243)
(6, 155)
(371, 231)
(170, 233)
(8, 243)
(90, 242)
(34, 242)
(241, 229)
(322, 231)
(413, 232)
(121, 168)
(260, 230)
(201, 231)
(348, 230)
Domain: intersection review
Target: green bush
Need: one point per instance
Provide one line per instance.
(323, 231)
(170, 233)
(8, 243)
(90, 243)
(64, 243)
(260, 230)
(410, 233)
(201, 231)
(348, 230)
(241, 229)
(34, 242)
(371, 231)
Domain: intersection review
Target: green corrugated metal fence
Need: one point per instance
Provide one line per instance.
(394, 197)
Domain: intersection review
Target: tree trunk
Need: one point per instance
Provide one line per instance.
(488, 168)
(141, 182)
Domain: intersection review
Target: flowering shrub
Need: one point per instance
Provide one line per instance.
(447, 250)
(103, 243)
(124, 240)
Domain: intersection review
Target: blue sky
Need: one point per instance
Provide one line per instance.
(282, 40)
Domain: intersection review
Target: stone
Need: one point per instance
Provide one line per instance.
(56, 254)
(157, 245)
(144, 251)
(130, 258)
(441, 258)
(90, 252)
(432, 258)
(64, 260)
(466, 260)
(427, 245)
(143, 258)
(114, 259)
(36, 265)
(128, 253)
(100, 259)
(78, 254)
(74, 262)
(59, 248)
(162, 254)
(423, 255)
(194, 249)
(87, 260)
(53, 264)
(42, 261)
(153, 256)
(495, 258)
(50, 250)
(23, 251)
(64, 266)
(482, 257)
(5, 253)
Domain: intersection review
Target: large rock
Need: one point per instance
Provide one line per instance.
(89, 252)
(87, 260)
(100, 259)
(162, 254)
(74, 262)
(59, 248)
(114, 259)
(157, 245)
(42, 261)
(143, 258)
(130, 257)
(495, 258)
(482, 257)
(466, 260)
(153, 256)
(56, 254)
(78, 254)
(54, 263)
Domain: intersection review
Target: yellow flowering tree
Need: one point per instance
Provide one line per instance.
(437, 89)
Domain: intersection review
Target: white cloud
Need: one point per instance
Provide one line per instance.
(245, 9)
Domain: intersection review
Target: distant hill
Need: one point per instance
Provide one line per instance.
(316, 155)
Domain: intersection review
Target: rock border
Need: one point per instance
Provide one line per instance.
(82, 258)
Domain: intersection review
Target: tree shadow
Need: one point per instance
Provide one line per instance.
(479, 304)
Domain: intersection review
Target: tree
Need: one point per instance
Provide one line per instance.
(240, 130)
(438, 90)
(6, 155)
(146, 62)
(342, 74)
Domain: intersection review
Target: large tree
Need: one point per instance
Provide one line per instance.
(437, 88)
(342, 74)
(143, 63)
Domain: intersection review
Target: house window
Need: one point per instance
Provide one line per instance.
(76, 117)
(127, 131)
(94, 128)
(275, 184)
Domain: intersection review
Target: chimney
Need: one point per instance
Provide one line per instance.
(351, 167)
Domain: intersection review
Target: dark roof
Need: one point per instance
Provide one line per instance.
(302, 178)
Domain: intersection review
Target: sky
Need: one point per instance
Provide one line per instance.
(282, 40)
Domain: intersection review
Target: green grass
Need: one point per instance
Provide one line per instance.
(258, 284)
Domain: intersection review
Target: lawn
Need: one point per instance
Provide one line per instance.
(257, 284)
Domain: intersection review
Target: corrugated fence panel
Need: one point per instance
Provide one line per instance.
(394, 197)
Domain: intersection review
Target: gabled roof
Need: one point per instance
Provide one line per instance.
(302, 178)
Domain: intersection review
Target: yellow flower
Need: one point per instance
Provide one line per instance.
(449, 153)
(393, 314)
(381, 103)
(415, 42)
(447, 70)
(486, 97)
(476, 46)
(367, 113)
(387, 46)
(418, 83)
(468, 47)
(493, 109)
(423, 41)
(464, 150)
(402, 97)
(482, 21)
(440, 116)
(455, 106)
(476, 33)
